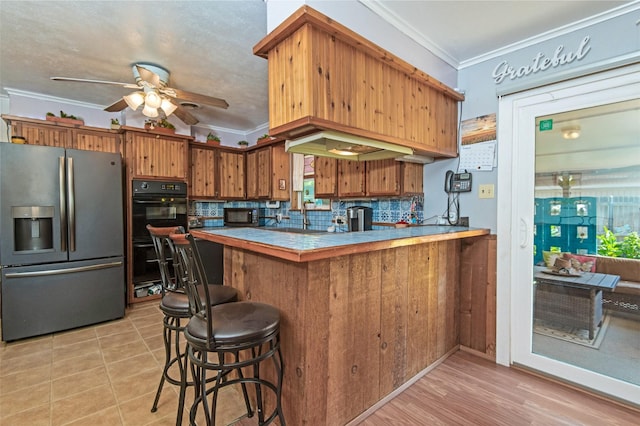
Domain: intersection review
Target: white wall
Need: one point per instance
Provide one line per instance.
(614, 40)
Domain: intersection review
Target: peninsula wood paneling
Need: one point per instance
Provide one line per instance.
(478, 295)
(324, 76)
(354, 327)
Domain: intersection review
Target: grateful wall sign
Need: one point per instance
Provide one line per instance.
(540, 62)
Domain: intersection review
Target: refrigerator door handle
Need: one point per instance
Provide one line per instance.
(63, 271)
(63, 205)
(72, 205)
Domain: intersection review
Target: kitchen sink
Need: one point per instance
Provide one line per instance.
(297, 230)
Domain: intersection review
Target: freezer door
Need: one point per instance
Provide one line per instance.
(95, 204)
(48, 298)
(30, 178)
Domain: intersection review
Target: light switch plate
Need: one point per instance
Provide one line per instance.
(486, 191)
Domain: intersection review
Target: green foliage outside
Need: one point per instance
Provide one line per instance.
(609, 245)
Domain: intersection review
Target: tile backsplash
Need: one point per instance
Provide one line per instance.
(384, 210)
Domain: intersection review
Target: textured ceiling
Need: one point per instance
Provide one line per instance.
(207, 45)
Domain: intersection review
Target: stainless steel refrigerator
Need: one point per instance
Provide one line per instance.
(61, 239)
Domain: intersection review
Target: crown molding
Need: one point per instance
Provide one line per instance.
(410, 31)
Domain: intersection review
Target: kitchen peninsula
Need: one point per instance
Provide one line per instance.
(363, 313)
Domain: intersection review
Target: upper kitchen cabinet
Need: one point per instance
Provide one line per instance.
(230, 174)
(268, 173)
(323, 76)
(202, 183)
(96, 140)
(151, 154)
(351, 178)
(325, 177)
(59, 134)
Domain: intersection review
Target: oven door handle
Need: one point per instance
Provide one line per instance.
(156, 201)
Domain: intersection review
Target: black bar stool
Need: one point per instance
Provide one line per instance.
(228, 338)
(175, 306)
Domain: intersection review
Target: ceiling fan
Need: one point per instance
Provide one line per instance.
(153, 94)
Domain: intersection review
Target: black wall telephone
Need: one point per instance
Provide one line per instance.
(457, 182)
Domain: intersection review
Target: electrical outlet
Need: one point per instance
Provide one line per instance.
(486, 191)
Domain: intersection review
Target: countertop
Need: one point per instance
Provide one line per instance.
(298, 247)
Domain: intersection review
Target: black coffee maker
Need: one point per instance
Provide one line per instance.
(359, 218)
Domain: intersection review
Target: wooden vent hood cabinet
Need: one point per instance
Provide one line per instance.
(325, 77)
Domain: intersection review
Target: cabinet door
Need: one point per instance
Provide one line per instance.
(412, 178)
(280, 173)
(326, 177)
(351, 178)
(259, 180)
(231, 175)
(155, 156)
(94, 140)
(383, 177)
(202, 173)
(43, 134)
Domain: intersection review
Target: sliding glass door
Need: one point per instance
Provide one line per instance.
(573, 189)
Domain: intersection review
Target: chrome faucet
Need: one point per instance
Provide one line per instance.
(305, 219)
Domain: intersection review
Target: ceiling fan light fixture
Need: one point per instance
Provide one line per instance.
(571, 132)
(168, 107)
(152, 99)
(134, 100)
(150, 111)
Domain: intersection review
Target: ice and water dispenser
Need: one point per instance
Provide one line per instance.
(32, 227)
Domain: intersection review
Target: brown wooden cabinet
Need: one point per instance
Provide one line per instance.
(202, 182)
(230, 174)
(412, 175)
(326, 177)
(63, 135)
(96, 140)
(155, 155)
(351, 178)
(379, 178)
(323, 76)
(268, 173)
(382, 177)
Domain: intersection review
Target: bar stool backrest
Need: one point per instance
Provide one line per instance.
(190, 266)
(165, 253)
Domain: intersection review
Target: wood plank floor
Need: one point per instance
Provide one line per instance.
(469, 390)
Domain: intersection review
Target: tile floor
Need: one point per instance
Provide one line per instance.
(105, 374)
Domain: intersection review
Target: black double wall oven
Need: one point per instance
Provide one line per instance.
(155, 203)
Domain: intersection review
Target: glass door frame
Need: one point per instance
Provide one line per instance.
(516, 148)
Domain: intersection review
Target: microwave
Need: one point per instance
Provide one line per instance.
(243, 216)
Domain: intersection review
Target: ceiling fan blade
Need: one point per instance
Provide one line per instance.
(117, 106)
(86, 80)
(196, 98)
(185, 116)
(148, 76)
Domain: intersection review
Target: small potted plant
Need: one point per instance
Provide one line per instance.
(65, 118)
(164, 126)
(213, 139)
(243, 144)
(264, 138)
(115, 124)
